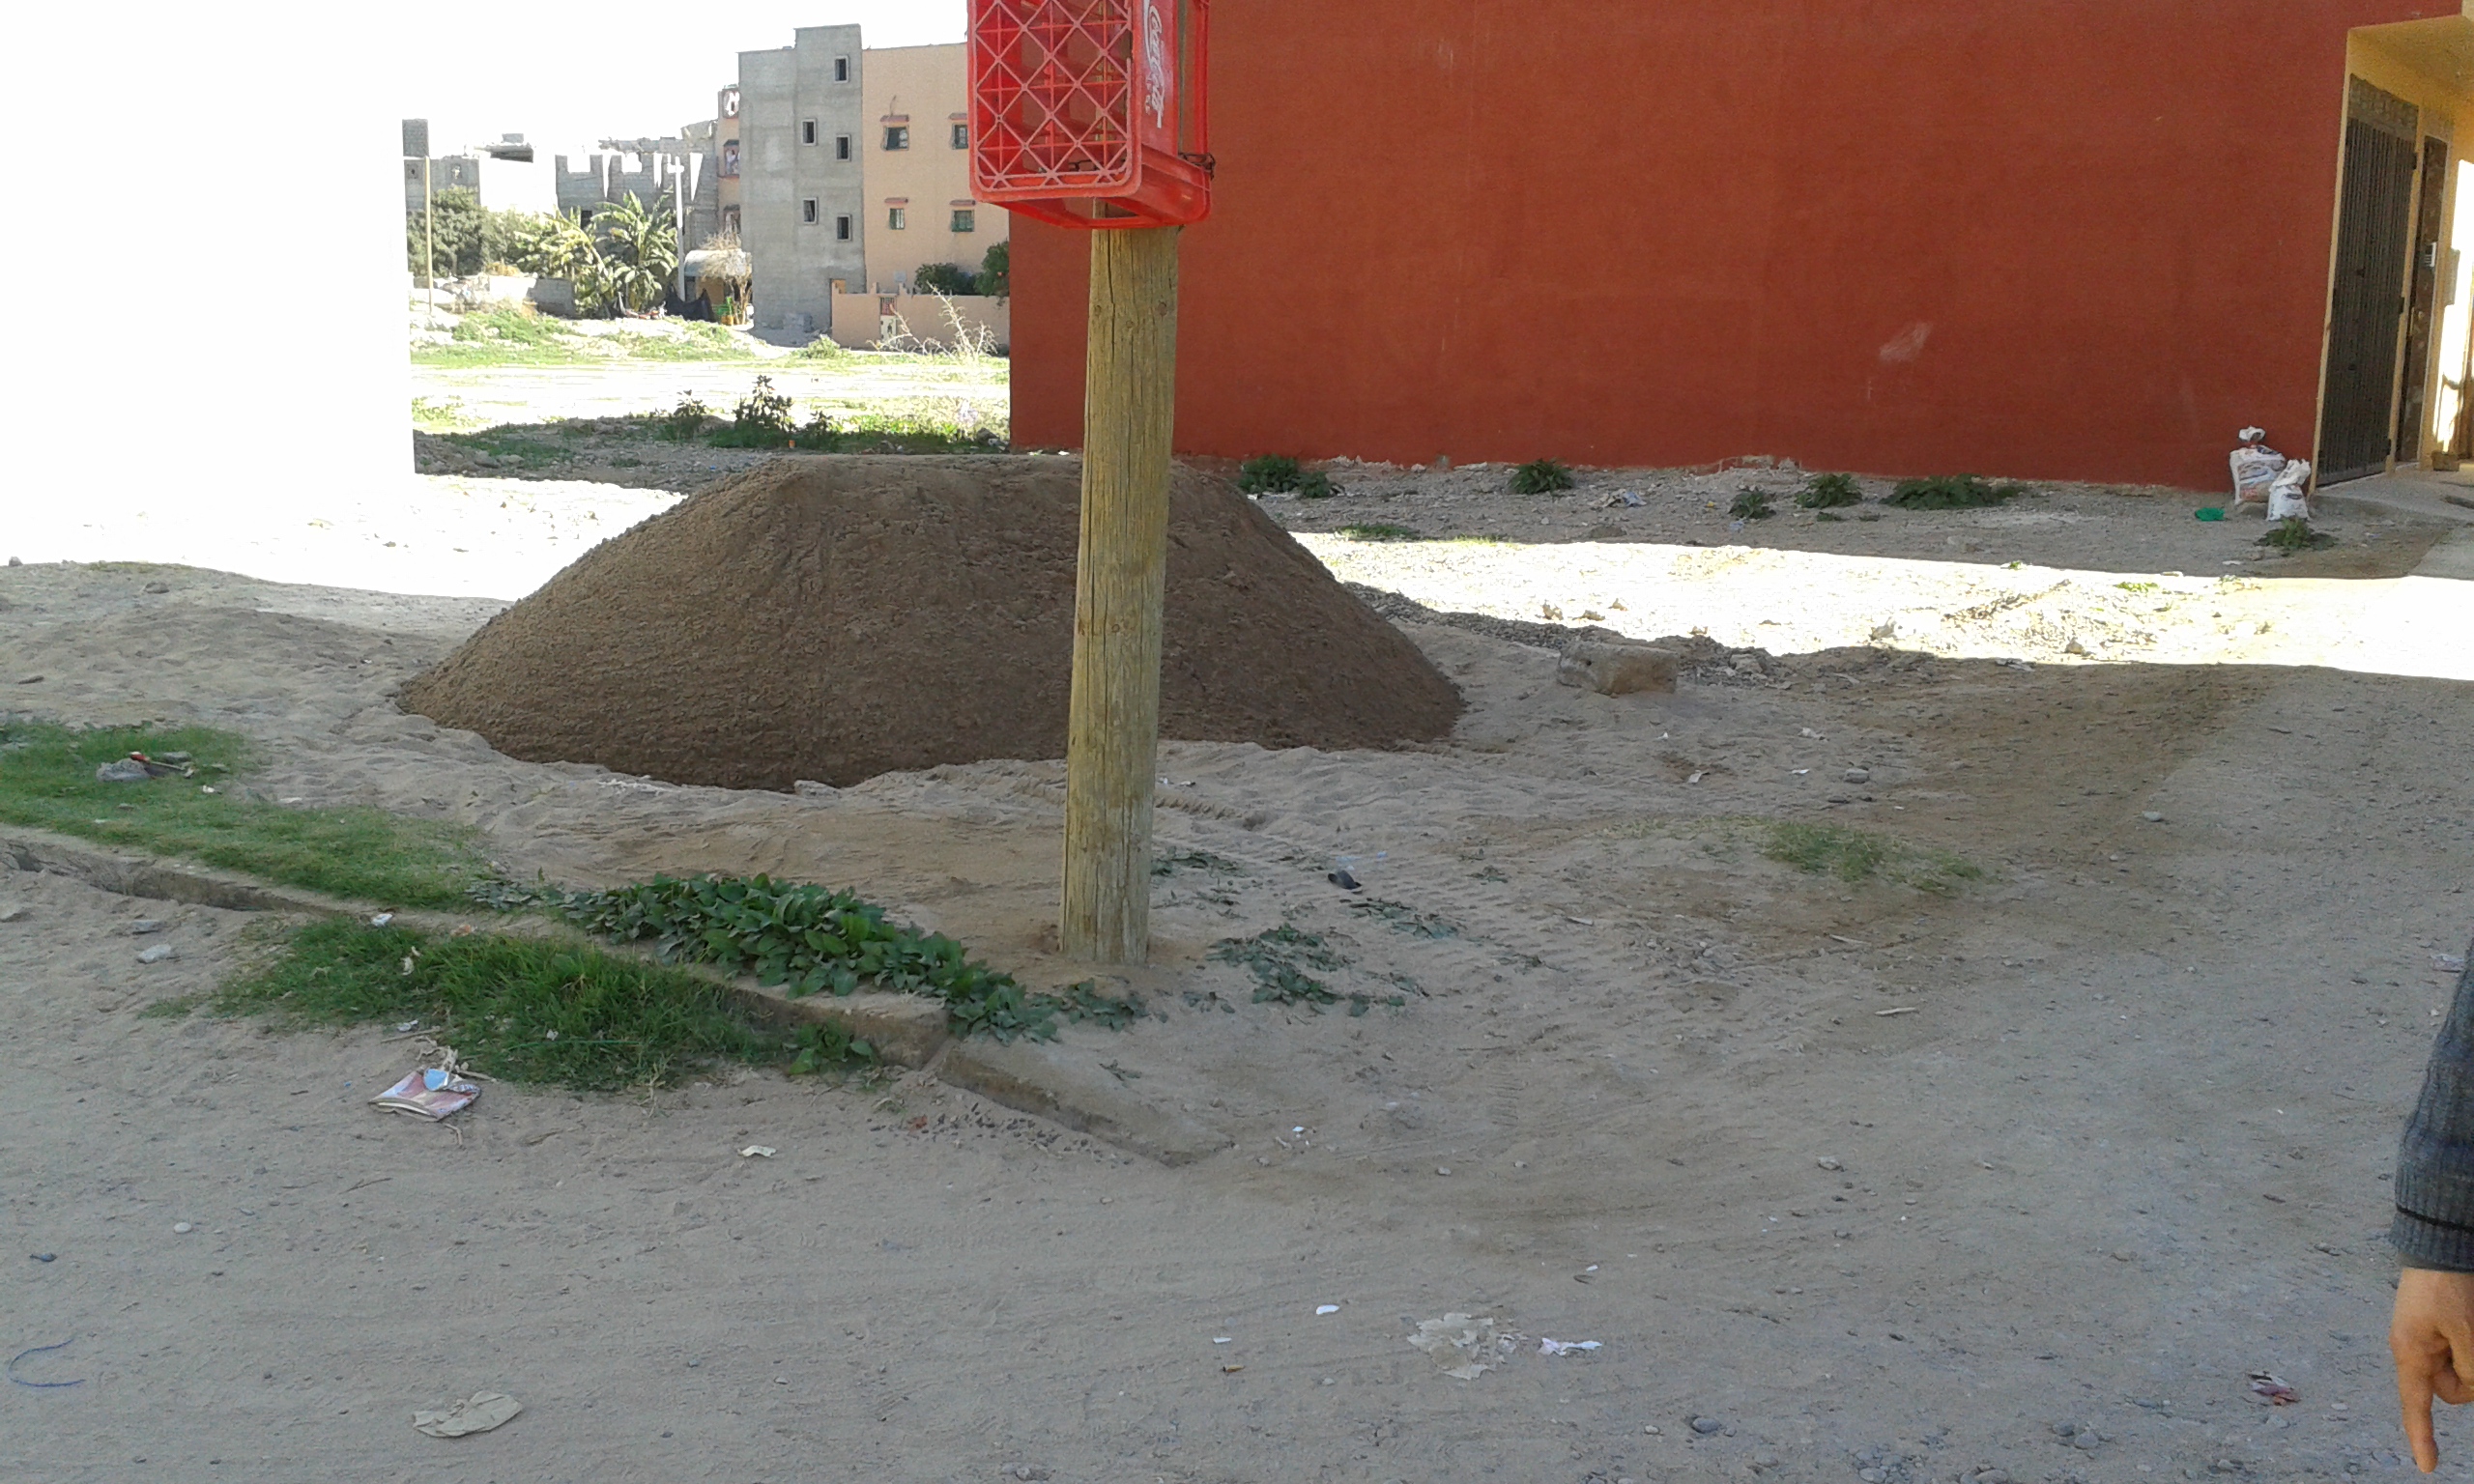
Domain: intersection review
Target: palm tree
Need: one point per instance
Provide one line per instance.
(639, 251)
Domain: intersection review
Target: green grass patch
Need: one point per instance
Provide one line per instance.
(1751, 505)
(903, 432)
(47, 782)
(437, 414)
(523, 1011)
(1540, 476)
(810, 940)
(1951, 491)
(696, 340)
(1855, 855)
(1377, 530)
(1828, 492)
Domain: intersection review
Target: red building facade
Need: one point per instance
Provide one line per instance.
(2086, 240)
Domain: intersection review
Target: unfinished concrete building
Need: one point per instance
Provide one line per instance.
(801, 216)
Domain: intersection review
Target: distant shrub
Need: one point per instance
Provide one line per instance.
(945, 279)
(1951, 491)
(1825, 491)
(761, 420)
(1277, 474)
(1540, 476)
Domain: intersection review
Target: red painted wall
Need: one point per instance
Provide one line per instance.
(1625, 232)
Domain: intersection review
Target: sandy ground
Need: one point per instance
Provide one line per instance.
(481, 395)
(2118, 1140)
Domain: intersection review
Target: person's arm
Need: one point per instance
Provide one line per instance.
(2431, 1334)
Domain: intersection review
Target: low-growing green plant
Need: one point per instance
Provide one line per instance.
(1854, 855)
(1277, 474)
(821, 347)
(1951, 491)
(1540, 476)
(1279, 958)
(1751, 505)
(806, 938)
(696, 340)
(2294, 534)
(526, 1010)
(47, 782)
(1376, 530)
(1828, 515)
(437, 415)
(916, 432)
(761, 419)
(524, 444)
(816, 434)
(1828, 492)
(2141, 586)
(515, 327)
(686, 421)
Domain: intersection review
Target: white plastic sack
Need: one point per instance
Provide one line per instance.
(2255, 469)
(2286, 497)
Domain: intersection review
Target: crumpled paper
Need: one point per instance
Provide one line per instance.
(476, 1413)
(1465, 1348)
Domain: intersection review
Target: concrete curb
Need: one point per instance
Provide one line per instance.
(2453, 557)
(1065, 1084)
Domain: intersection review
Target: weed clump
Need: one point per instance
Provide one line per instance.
(1751, 505)
(1854, 855)
(1540, 476)
(1828, 492)
(1277, 474)
(47, 782)
(686, 421)
(2294, 534)
(1951, 491)
(806, 938)
(526, 1010)
(761, 419)
(1279, 958)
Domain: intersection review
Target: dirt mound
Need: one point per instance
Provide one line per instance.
(834, 618)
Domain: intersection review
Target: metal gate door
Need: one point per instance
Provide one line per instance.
(2358, 402)
(2420, 301)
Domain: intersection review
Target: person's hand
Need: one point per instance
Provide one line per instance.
(2431, 1335)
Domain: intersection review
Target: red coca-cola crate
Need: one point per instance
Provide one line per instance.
(1091, 113)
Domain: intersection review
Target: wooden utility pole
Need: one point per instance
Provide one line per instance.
(1112, 731)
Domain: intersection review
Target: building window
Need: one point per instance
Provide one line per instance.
(729, 160)
(897, 136)
(842, 68)
(965, 219)
(807, 132)
(730, 219)
(897, 218)
(842, 229)
(961, 136)
(807, 210)
(842, 146)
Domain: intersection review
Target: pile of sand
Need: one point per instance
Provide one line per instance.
(834, 618)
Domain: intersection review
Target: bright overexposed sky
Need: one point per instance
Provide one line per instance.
(566, 77)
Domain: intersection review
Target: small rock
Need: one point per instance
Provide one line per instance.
(126, 770)
(2074, 647)
(2086, 1441)
(1650, 1431)
(1888, 628)
(17, 561)
(1029, 1472)
(1858, 775)
(1442, 1170)
(1705, 1426)
(183, 1228)
(145, 924)
(159, 587)
(155, 955)
(43, 1257)
(1826, 1162)
(1992, 1476)
(15, 912)
(1872, 1475)
(1617, 669)
(2153, 818)
(2065, 1429)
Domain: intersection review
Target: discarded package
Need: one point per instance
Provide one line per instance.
(759, 1152)
(1465, 1348)
(2256, 466)
(2289, 496)
(1568, 1347)
(476, 1413)
(121, 770)
(432, 1093)
(2210, 513)
(2278, 1393)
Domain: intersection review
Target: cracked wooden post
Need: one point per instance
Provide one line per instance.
(1112, 730)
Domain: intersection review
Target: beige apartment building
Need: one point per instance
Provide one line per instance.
(915, 176)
